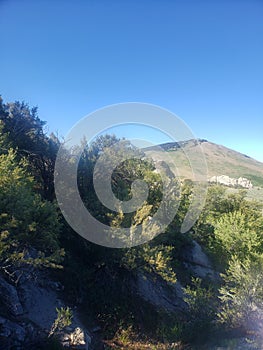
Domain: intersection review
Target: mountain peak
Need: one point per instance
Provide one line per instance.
(220, 160)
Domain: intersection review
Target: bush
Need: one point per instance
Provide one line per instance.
(242, 293)
(25, 219)
(202, 304)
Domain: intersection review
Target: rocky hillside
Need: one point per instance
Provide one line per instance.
(220, 160)
(28, 310)
(59, 291)
(241, 182)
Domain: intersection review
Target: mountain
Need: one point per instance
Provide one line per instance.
(220, 160)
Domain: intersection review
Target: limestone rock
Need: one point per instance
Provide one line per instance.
(231, 182)
(78, 339)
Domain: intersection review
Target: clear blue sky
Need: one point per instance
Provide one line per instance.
(203, 60)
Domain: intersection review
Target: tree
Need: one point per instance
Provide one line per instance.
(22, 130)
(25, 219)
(236, 234)
(242, 293)
(202, 310)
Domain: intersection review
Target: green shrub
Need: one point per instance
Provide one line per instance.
(25, 219)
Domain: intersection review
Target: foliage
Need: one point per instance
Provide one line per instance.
(227, 221)
(124, 335)
(242, 293)
(63, 320)
(22, 130)
(123, 176)
(155, 259)
(237, 235)
(25, 218)
(202, 310)
(229, 227)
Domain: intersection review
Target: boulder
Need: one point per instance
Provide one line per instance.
(198, 262)
(77, 338)
(30, 311)
(157, 292)
(231, 182)
(39, 303)
(11, 333)
(9, 298)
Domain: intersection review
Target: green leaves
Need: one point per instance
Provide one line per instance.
(154, 259)
(236, 235)
(242, 292)
(22, 130)
(25, 219)
(63, 320)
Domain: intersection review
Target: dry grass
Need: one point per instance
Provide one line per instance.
(220, 161)
(127, 339)
(116, 345)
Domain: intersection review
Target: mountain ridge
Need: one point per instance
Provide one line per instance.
(220, 160)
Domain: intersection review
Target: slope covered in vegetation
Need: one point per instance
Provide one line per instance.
(220, 160)
(153, 296)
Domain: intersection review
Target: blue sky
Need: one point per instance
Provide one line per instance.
(202, 60)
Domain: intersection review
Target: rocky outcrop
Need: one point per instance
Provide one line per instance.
(170, 296)
(28, 310)
(198, 262)
(231, 182)
(157, 292)
(9, 298)
(12, 335)
(76, 337)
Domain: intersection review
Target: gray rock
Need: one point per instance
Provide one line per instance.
(158, 293)
(203, 272)
(231, 182)
(198, 257)
(198, 262)
(96, 329)
(9, 297)
(12, 330)
(32, 304)
(39, 304)
(78, 339)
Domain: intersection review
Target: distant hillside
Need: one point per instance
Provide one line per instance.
(220, 160)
